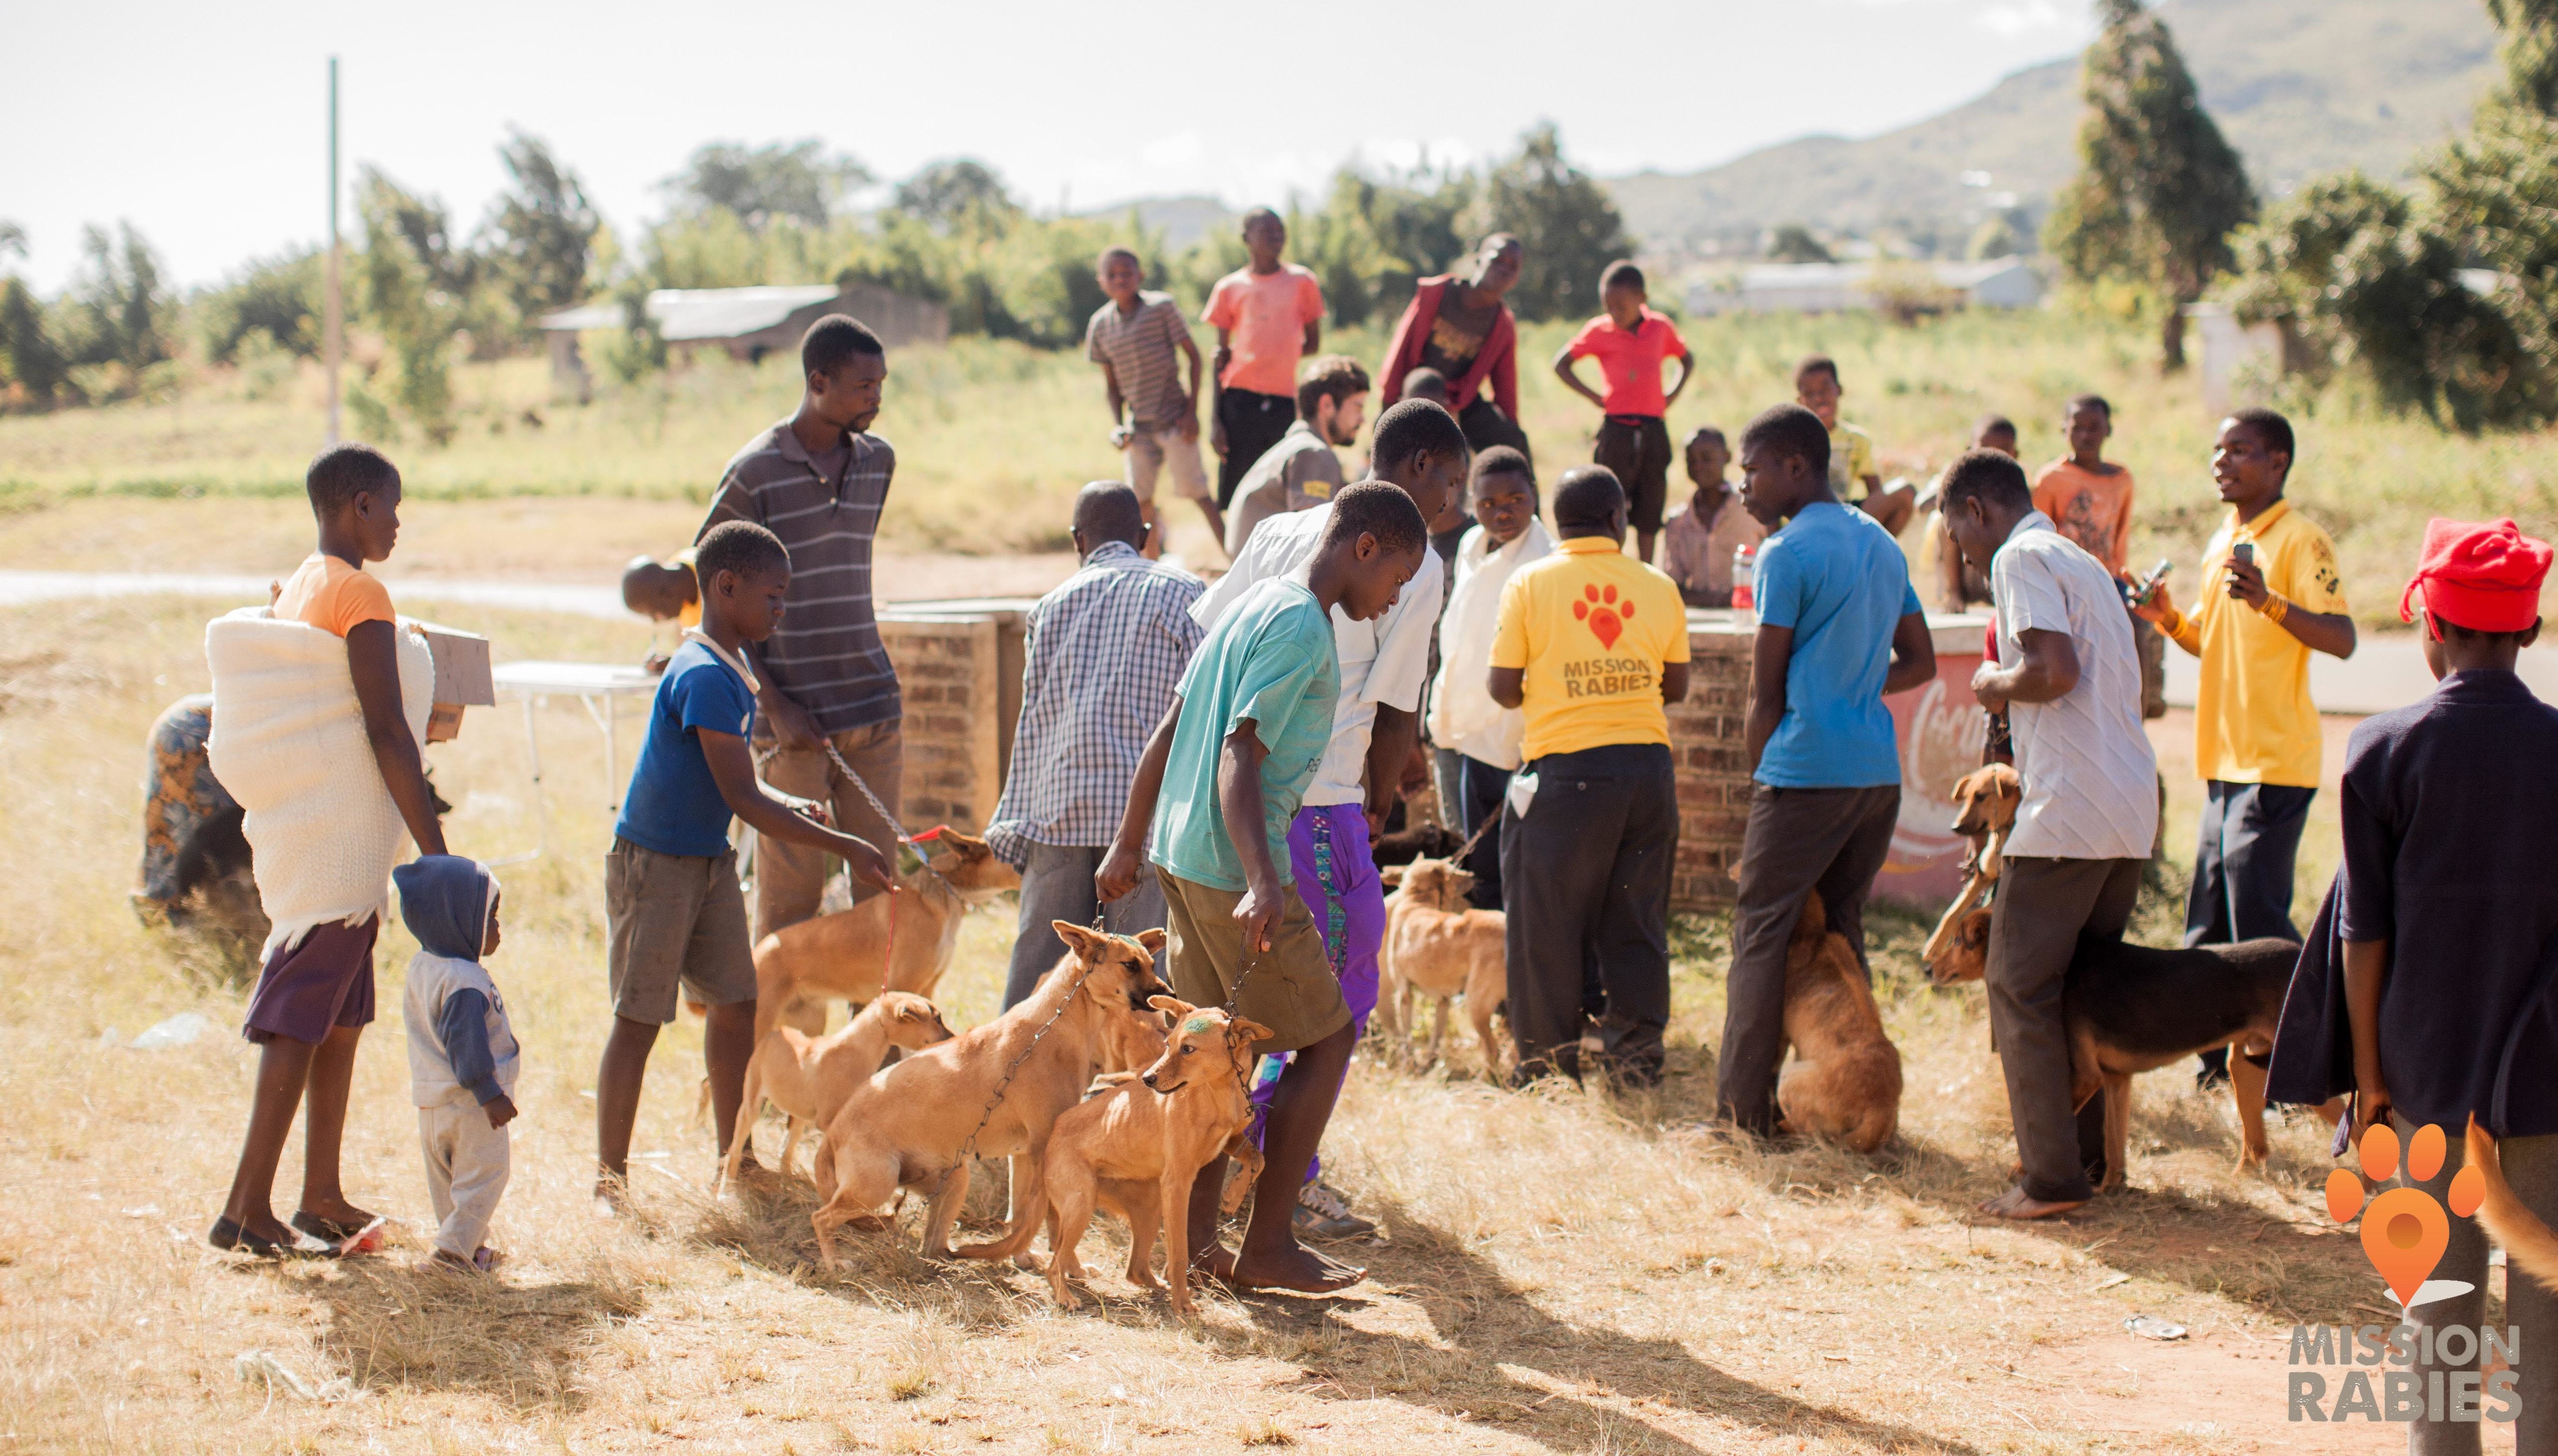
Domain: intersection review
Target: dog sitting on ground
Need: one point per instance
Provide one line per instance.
(1437, 945)
(2129, 1009)
(906, 1126)
(808, 1078)
(1844, 1083)
(1985, 804)
(842, 956)
(1149, 1135)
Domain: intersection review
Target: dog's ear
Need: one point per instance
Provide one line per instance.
(1086, 943)
(1390, 876)
(1151, 939)
(1170, 1005)
(1244, 1033)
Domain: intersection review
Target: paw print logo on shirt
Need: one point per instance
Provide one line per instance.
(2404, 1230)
(1605, 614)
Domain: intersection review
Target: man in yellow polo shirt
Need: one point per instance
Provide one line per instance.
(2270, 597)
(1591, 644)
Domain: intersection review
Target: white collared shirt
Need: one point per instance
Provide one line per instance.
(1383, 662)
(1463, 715)
(2090, 777)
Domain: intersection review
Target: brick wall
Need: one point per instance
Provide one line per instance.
(1713, 772)
(959, 670)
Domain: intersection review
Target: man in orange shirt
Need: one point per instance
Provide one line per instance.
(315, 994)
(1267, 315)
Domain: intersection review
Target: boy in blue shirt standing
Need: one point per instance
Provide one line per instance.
(672, 908)
(1229, 764)
(1839, 627)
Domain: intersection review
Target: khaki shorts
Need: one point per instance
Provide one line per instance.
(1148, 451)
(670, 919)
(1291, 990)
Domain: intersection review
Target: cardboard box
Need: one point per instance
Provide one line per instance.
(462, 678)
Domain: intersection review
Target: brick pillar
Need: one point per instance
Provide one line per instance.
(948, 670)
(1707, 751)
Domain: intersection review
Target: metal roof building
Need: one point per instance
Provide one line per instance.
(746, 322)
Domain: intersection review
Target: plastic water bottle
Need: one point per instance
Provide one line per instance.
(1744, 580)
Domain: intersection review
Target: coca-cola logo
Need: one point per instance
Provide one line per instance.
(1940, 742)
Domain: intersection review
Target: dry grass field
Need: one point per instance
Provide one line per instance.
(1561, 1271)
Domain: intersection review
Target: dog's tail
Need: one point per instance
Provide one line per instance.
(1812, 924)
(2529, 1244)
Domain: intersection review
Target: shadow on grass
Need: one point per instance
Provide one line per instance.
(393, 1324)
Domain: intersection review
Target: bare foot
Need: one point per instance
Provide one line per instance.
(612, 1195)
(1215, 1260)
(2016, 1204)
(1293, 1267)
(342, 1213)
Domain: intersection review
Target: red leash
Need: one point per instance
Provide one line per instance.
(888, 958)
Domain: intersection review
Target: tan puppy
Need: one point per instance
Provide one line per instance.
(1844, 1086)
(1438, 945)
(842, 956)
(906, 1126)
(2528, 1243)
(1158, 1128)
(808, 1078)
(1985, 804)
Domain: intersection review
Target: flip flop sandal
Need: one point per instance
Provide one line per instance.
(232, 1238)
(351, 1239)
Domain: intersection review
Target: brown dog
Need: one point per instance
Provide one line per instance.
(1844, 1083)
(1154, 1131)
(808, 1078)
(906, 1126)
(1985, 804)
(1438, 945)
(2528, 1243)
(843, 956)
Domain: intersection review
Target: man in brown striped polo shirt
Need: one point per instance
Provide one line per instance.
(818, 481)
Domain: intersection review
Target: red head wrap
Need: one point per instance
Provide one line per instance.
(2483, 576)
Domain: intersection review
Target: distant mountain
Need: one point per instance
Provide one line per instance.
(2300, 86)
(1182, 221)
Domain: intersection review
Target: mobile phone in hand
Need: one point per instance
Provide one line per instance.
(2135, 595)
(2245, 552)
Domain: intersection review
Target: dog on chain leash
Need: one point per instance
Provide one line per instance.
(1438, 945)
(808, 1078)
(1145, 1138)
(907, 1126)
(1844, 1083)
(1985, 804)
(843, 956)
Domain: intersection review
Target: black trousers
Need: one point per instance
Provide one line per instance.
(2043, 907)
(1253, 423)
(1479, 788)
(1585, 879)
(2244, 853)
(1797, 840)
(1637, 447)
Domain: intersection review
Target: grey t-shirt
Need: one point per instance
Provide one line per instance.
(1296, 474)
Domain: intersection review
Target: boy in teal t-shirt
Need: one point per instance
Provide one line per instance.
(1224, 773)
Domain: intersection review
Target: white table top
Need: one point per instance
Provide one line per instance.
(582, 679)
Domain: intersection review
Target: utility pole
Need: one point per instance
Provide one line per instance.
(334, 313)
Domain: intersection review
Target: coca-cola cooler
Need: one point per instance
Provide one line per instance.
(1939, 727)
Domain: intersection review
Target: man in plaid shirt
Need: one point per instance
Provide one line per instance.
(1107, 650)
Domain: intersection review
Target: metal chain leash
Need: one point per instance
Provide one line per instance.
(994, 1099)
(881, 809)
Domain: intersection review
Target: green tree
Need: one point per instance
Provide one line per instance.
(34, 361)
(541, 235)
(763, 185)
(280, 295)
(2159, 190)
(2530, 50)
(118, 306)
(960, 195)
(1794, 243)
(1566, 224)
(413, 285)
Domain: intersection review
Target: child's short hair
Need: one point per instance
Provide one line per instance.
(1621, 274)
(1414, 427)
(1116, 251)
(1334, 377)
(1504, 460)
(740, 546)
(345, 470)
(1587, 496)
(1993, 424)
(1700, 435)
(1992, 474)
(1258, 214)
(834, 339)
(1791, 429)
(1814, 364)
(1380, 510)
(2097, 402)
(1428, 383)
(2269, 426)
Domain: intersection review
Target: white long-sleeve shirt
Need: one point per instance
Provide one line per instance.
(1463, 715)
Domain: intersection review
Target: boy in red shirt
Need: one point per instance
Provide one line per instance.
(1267, 315)
(1631, 342)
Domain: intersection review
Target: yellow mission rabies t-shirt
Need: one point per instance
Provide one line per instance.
(2253, 720)
(1592, 627)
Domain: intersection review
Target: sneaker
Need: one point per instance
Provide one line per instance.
(1323, 1213)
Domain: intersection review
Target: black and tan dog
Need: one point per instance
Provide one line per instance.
(2133, 1008)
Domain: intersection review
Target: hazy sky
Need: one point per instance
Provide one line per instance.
(204, 124)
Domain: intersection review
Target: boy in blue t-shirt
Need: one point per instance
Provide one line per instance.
(1839, 629)
(1230, 765)
(672, 908)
